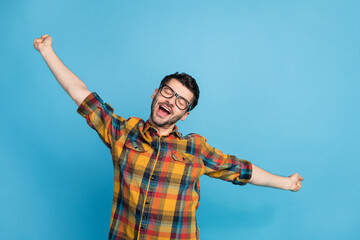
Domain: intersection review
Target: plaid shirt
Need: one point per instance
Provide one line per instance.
(156, 189)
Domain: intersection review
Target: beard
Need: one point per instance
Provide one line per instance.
(163, 122)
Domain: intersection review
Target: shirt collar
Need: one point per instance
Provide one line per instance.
(175, 131)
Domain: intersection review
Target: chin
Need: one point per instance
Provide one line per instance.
(157, 121)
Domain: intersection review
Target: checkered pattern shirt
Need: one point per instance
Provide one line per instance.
(156, 182)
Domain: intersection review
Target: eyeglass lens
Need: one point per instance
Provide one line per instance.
(180, 102)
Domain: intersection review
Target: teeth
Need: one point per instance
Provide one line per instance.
(164, 107)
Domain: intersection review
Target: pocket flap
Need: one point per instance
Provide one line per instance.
(137, 146)
(183, 157)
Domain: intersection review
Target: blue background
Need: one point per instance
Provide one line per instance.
(279, 85)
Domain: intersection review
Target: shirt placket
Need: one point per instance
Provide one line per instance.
(146, 213)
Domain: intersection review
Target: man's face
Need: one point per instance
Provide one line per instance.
(164, 112)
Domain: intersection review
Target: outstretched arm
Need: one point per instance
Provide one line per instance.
(67, 79)
(261, 177)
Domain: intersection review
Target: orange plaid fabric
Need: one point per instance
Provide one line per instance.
(156, 180)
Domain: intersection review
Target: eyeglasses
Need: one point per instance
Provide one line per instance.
(168, 92)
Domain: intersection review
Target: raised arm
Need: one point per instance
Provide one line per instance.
(261, 177)
(67, 79)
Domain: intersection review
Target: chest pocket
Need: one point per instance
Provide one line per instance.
(183, 157)
(181, 166)
(137, 146)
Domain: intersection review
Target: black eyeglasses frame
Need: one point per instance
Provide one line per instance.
(176, 95)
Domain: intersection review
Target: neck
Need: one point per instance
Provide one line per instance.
(163, 131)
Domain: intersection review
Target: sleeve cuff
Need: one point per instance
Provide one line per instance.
(246, 172)
(89, 104)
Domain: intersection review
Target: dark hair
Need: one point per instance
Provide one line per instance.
(186, 80)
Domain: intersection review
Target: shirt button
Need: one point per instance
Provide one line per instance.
(153, 178)
(142, 227)
(147, 202)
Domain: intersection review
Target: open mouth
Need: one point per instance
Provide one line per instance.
(164, 110)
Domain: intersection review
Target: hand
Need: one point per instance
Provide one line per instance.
(44, 42)
(295, 182)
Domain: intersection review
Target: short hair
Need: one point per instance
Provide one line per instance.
(186, 80)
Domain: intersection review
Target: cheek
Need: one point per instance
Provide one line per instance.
(177, 112)
(179, 115)
(155, 100)
(158, 98)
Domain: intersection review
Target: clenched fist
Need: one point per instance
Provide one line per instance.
(44, 42)
(295, 182)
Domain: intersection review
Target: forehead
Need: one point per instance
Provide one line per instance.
(180, 89)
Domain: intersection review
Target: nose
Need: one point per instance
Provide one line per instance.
(172, 100)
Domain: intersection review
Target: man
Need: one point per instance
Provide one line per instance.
(157, 169)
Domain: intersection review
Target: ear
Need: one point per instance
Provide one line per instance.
(154, 94)
(185, 116)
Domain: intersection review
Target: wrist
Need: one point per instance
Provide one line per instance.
(46, 50)
(287, 183)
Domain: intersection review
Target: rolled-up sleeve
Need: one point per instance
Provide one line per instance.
(100, 116)
(226, 167)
